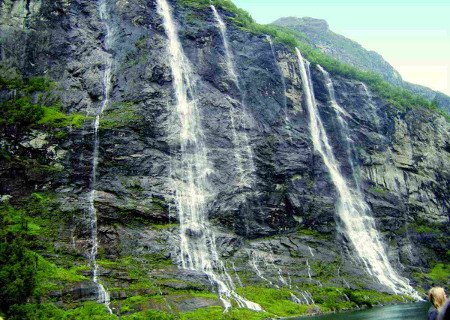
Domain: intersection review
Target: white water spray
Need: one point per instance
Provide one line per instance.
(352, 210)
(283, 83)
(341, 116)
(197, 239)
(310, 251)
(243, 151)
(375, 118)
(102, 294)
(308, 268)
(254, 259)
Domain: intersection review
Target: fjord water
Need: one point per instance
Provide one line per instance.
(410, 311)
(102, 294)
(190, 175)
(353, 212)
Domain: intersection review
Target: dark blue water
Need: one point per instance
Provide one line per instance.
(410, 311)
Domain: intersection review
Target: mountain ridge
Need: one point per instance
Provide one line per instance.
(318, 34)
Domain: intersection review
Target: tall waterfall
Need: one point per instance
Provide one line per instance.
(283, 82)
(353, 211)
(102, 294)
(341, 115)
(197, 239)
(243, 150)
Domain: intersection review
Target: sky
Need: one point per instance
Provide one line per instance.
(412, 35)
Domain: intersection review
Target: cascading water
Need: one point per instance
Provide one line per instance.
(197, 239)
(310, 251)
(341, 115)
(283, 83)
(102, 294)
(257, 258)
(243, 150)
(376, 119)
(352, 210)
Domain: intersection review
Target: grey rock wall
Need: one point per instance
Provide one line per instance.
(287, 213)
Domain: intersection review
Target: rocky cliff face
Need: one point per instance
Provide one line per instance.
(276, 231)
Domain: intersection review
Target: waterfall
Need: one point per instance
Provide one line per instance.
(102, 294)
(295, 299)
(243, 151)
(197, 239)
(283, 83)
(308, 268)
(352, 210)
(254, 256)
(310, 251)
(376, 119)
(341, 115)
(236, 275)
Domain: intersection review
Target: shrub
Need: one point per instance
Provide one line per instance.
(18, 265)
(440, 273)
(32, 104)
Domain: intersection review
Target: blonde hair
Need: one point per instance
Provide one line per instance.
(436, 295)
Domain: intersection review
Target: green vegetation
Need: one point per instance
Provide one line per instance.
(217, 313)
(150, 314)
(312, 233)
(274, 301)
(49, 311)
(120, 115)
(439, 274)
(277, 302)
(17, 270)
(395, 96)
(325, 270)
(50, 277)
(32, 104)
(424, 229)
(136, 269)
(24, 274)
(378, 190)
(371, 298)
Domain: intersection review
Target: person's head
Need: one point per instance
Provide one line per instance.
(437, 297)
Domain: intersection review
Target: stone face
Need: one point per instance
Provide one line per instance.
(280, 224)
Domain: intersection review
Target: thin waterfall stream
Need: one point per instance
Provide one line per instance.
(190, 176)
(102, 294)
(341, 115)
(243, 150)
(283, 84)
(352, 210)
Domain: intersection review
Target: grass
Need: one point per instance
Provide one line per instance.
(395, 96)
(440, 273)
(371, 298)
(150, 314)
(274, 301)
(378, 190)
(27, 275)
(324, 270)
(51, 277)
(53, 117)
(120, 115)
(49, 311)
(137, 269)
(312, 233)
(217, 313)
